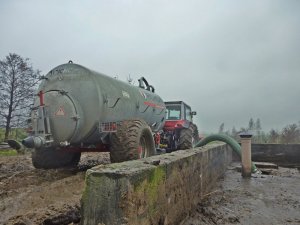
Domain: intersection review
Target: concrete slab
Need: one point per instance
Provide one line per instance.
(266, 165)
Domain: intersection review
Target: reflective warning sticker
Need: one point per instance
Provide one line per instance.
(60, 111)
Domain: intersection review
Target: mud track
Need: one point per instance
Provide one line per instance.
(261, 200)
(52, 197)
(34, 196)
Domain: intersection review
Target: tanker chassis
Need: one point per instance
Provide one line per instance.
(80, 110)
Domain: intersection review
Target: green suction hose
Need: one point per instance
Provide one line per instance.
(228, 140)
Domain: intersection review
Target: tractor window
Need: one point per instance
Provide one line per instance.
(173, 112)
(188, 115)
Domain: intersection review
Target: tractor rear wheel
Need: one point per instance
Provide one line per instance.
(185, 140)
(196, 137)
(53, 158)
(133, 140)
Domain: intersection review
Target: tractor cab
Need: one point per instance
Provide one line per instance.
(179, 131)
(178, 115)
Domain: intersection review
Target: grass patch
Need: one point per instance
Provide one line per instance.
(8, 152)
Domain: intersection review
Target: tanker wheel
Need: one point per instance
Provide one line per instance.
(52, 158)
(133, 140)
(185, 140)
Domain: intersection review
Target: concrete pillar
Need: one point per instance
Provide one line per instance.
(246, 154)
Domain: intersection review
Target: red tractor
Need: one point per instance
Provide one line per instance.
(179, 131)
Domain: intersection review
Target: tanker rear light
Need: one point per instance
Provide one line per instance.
(41, 97)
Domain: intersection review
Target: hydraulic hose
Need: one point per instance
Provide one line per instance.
(228, 140)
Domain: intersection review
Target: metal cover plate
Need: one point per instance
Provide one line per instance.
(61, 112)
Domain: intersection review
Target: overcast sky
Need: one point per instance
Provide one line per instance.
(229, 60)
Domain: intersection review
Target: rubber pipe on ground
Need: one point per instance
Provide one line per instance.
(228, 140)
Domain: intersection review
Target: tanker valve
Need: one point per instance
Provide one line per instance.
(64, 143)
(63, 92)
(76, 117)
(33, 142)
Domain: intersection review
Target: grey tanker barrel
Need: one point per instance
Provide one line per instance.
(77, 105)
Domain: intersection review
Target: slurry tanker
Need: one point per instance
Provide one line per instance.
(79, 110)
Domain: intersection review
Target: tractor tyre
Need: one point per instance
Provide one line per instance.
(133, 140)
(53, 158)
(196, 137)
(185, 140)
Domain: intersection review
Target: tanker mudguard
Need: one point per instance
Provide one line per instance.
(77, 106)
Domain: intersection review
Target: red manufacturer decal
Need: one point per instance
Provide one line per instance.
(151, 104)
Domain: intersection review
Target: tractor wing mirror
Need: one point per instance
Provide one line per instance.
(193, 113)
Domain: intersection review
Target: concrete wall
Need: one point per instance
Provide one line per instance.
(159, 190)
(282, 154)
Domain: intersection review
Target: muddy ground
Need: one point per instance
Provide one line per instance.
(32, 196)
(272, 199)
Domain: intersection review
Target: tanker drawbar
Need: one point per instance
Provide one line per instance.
(78, 110)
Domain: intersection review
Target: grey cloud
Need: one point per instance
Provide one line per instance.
(211, 54)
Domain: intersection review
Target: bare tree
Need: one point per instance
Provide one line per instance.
(258, 136)
(234, 133)
(221, 128)
(274, 136)
(290, 134)
(17, 87)
(257, 125)
(251, 125)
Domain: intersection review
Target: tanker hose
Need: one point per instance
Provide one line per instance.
(228, 140)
